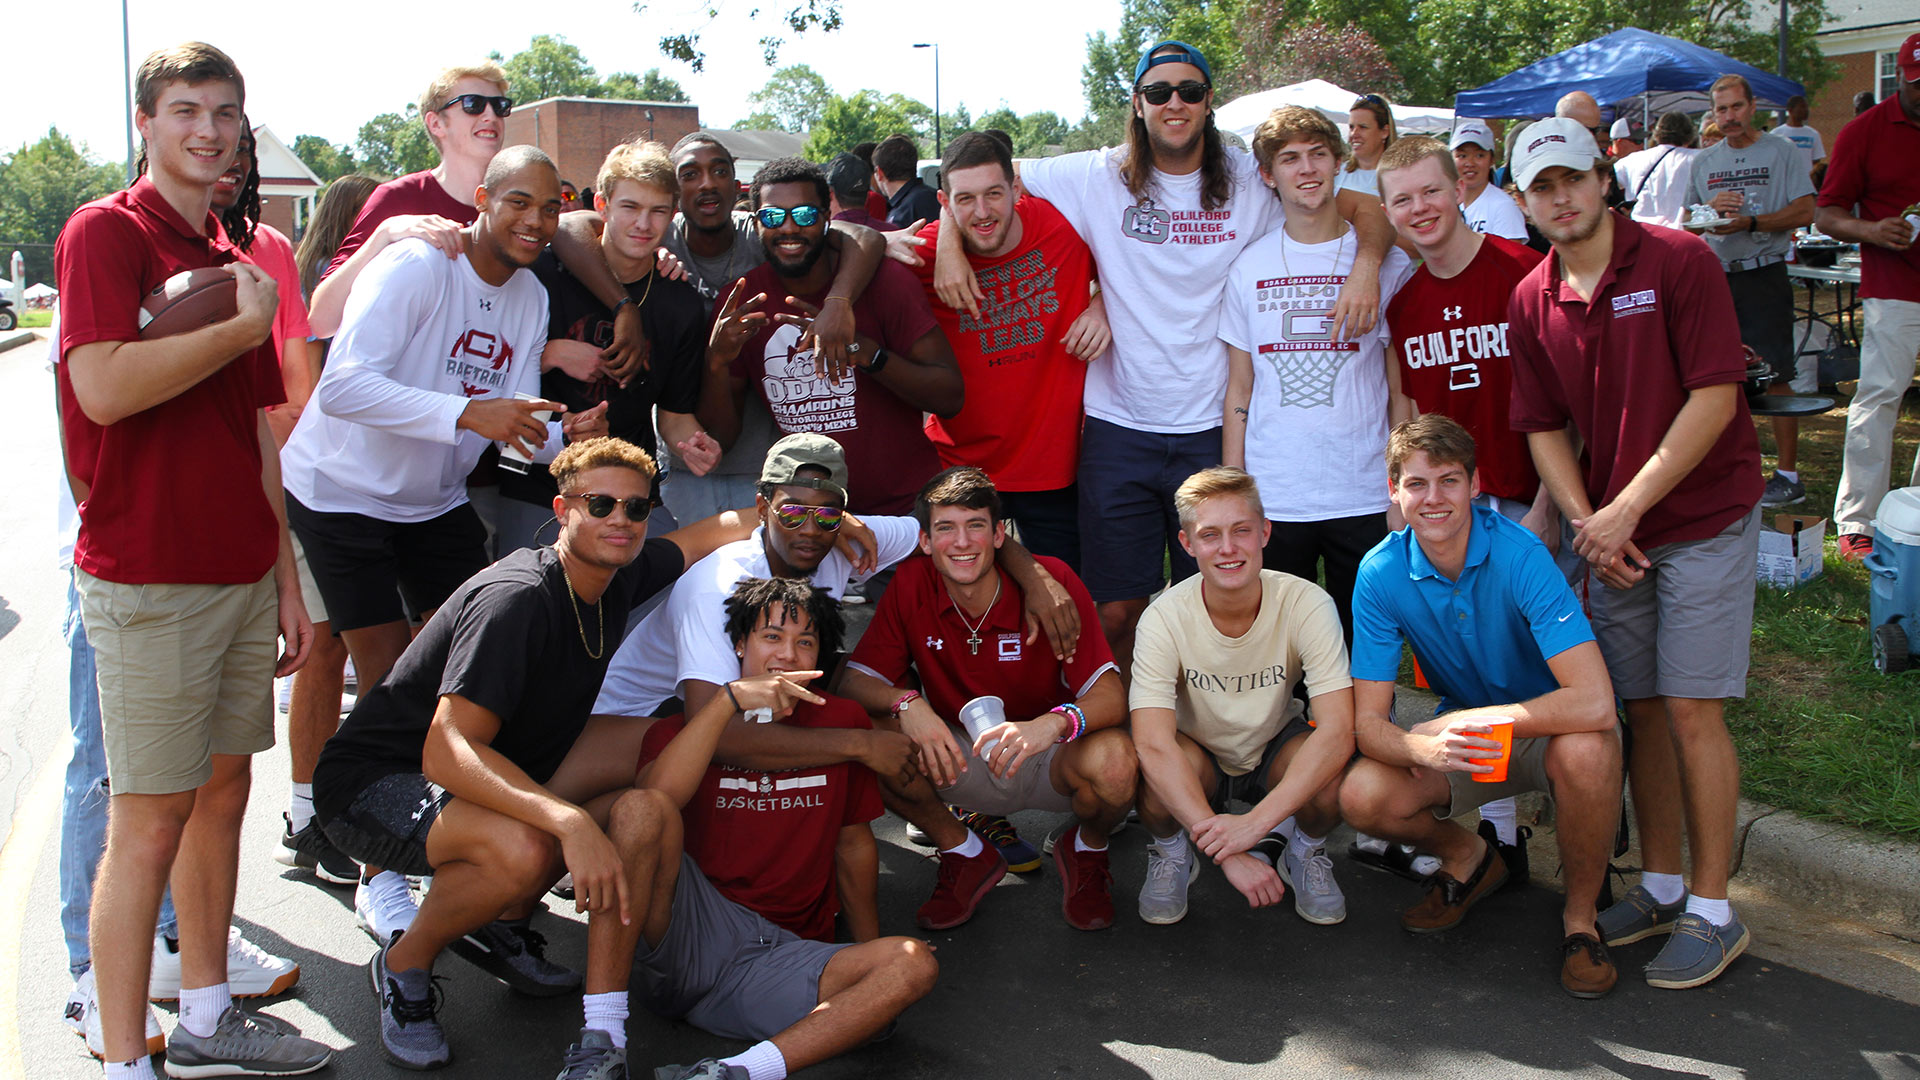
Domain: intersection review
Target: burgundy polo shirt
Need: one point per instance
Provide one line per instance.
(916, 626)
(1661, 324)
(174, 492)
(1875, 165)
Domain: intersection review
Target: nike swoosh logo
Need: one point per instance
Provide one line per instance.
(1565, 617)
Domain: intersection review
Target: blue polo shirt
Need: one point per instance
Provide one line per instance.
(1482, 640)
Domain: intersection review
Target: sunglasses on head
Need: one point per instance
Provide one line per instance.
(772, 217)
(602, 505)
(1373, 99)
(794, 515)
(475, 104)
(1193, 93)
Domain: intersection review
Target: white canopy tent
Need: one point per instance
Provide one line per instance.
(41, 291)
(1243, 114)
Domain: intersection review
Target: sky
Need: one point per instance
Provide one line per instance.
(326, 68)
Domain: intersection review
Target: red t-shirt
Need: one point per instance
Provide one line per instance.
(1876, 166)
(1661, 324)
(1021, 422)
(1451, 336)
(414, 193)
(877, 204)
(888, 455)
(766, 839)
(916, 626)
(174, 491)
(273, 252)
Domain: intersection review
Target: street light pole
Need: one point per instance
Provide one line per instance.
(126, 66)
(939, 150)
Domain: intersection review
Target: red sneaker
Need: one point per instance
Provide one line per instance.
(1855, 546)
(1086, 885)
(962, 884)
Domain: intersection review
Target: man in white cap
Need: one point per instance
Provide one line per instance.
(1487, 208)
(1629, 334)
(1627, 138)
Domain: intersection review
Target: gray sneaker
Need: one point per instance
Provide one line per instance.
(709, 1069)
(1781, 491)
(243, 1044)
(516, 954)
(1316, 896)
(1163, 898)
(1637, 915)
(594, 1057)
(410, 1032)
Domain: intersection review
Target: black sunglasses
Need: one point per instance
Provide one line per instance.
(601, 506)
(1193, 93)
(475, 104)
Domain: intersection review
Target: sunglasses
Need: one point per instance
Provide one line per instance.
(602, 505)
(1193, 93)
(772, 217)
(1373, 99)
(794, 515)
(475, 104)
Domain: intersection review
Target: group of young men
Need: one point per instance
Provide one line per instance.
(1536, 473)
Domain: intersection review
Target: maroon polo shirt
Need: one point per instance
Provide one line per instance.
(1661, 324)
(175, 495)
(1875, 165)
(916, 626)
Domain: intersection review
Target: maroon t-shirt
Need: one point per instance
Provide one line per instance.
(1451, 337)
(414, 193)
(174, 491)
(1660, 325)
(888, 455)
(1876, 166)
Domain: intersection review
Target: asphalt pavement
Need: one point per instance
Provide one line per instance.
(1230, 992)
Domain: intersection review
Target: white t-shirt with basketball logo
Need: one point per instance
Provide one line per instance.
(1317, 423)
(1163, 263)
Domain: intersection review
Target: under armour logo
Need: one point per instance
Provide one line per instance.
(1450, 314)
(486, 305)
(936, 644)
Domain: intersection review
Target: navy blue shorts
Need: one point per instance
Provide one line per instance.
(1049, 521)
(1127, 481)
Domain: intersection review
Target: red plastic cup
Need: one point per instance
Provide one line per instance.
(1502, 733)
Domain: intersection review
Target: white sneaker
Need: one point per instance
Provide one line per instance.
(251, 971)
(83, 1015)
(1316, 896)
(384, 909)
(1163, 899)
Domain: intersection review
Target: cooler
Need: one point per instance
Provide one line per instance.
(1893, 588)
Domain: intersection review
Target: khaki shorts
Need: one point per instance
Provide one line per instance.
(309, 589)
(1029, 789)
(1526, 771)
(185, 672)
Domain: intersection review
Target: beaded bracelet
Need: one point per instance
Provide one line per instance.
(903, 701)
(1076, 721)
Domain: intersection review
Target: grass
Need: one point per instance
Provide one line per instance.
(34, 320)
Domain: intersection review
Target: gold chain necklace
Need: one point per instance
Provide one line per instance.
(599, 612)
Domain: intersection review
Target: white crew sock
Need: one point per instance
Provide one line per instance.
(1791, 476)
(300, 806)
(201, 1007)
(607, 1012)
(1173, 847)
(1505, 817)
(1717, 912)
(1303, 845)
(969, 848)
(140, 1068)
(762, 1060)
(1666, 888)
(1080, 841)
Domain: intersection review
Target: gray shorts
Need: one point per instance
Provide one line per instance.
(1251, 786)
(1684, 630)
(1030, 789)
(1526, 771)
(725, 969)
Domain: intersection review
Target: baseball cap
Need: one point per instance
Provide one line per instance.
(1908, 61)
(1556, 141)
(1187, 55)
(848, 176)
(1475, 132)
(1623, 128)
(806, 450)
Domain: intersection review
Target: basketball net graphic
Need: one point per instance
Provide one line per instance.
(1307, 377)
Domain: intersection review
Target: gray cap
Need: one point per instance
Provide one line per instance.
(811, 450)
(848, 176)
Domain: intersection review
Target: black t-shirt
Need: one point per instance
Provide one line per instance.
(508, 640)
(675, 321)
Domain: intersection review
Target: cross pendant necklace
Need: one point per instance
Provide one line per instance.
(973, 629)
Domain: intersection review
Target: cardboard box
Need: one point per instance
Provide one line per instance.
(1791, 547)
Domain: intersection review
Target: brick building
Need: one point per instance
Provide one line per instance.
(287, 186)
(1862, 37)
(577, 132)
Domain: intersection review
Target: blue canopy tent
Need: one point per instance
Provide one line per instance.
(1653, 71)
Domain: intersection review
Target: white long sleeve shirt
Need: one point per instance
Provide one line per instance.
(422, 335)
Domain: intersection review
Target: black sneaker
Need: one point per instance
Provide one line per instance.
(1514, 855)
(516, 954)
(309, 849)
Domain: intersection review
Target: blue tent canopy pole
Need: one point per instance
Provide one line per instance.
(1621, 65)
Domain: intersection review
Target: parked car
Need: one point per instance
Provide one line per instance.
(8, 320)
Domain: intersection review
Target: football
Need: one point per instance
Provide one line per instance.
(188, 301)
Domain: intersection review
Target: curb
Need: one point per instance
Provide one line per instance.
(15, 337)
(1838, 868)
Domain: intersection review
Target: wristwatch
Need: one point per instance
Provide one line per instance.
(880, 357)
(1753, 224)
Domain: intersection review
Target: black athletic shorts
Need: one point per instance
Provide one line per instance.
(386, 824)
(372, 572)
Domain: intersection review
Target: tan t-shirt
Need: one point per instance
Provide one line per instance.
(1232, 695)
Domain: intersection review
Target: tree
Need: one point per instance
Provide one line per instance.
(328, 162)
(41, 185)
(653, 86)
(392, 144)
(805, 15)
(549, 67)
(792, 100)
(860, 118)
(1282, 48)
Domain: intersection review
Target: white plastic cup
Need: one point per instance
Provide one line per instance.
(982, 715)
(512, 458)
